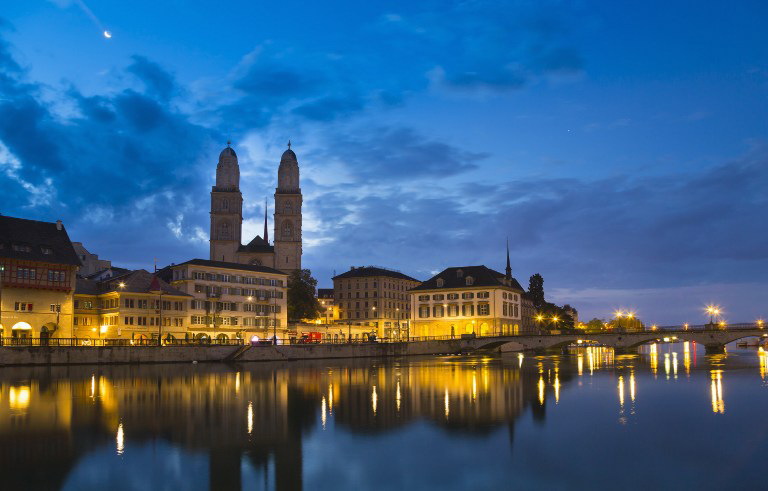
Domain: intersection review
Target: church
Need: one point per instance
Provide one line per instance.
(227, 217)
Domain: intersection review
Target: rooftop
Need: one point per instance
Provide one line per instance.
(137, 281)
(32, 240)
(232, 266)
(457, 278)
(370, 271)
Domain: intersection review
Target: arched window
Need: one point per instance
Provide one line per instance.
(460, 273)
(288, 209)
(440, 282)
(224, 232)
(287, 229)
(224, 204)
(470, 281)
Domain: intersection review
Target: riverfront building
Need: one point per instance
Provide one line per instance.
(230, 300)
(467, 300)
(135, 306)
(375, 297)
(38, 267)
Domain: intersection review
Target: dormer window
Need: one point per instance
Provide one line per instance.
(46, 250)
(470, 281)
(460, 273)
(440, 282)
(21, 248)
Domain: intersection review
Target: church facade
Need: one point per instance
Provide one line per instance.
(284, 253)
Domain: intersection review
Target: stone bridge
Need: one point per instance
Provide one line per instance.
(714, 340)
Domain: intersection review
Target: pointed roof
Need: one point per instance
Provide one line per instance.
(266, 232)
(138, 281)
(509, 268)
(482, 276)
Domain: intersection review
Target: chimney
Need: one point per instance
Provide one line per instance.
(58, 224)
(352, 267)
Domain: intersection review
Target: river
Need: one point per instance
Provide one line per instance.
(669, 417)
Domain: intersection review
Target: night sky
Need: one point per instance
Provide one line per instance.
(622, 147)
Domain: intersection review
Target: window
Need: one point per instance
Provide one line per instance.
(504, 308)
(467, 295)
(55, 307)
(423, 311)
(438, 296)
(287, 229)
(26, 273)
(453, 310)
(453, 296)
(21, 248)
(483, 309)
(46, 250)
(23, 307)
(459, 273)
(440, 282)
(224, 205)
(437, 311)
(483, 294)
(468, 310)
(469, 281)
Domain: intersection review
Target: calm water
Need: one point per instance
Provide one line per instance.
(670, 417)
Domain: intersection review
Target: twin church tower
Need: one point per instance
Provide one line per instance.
(227, 217)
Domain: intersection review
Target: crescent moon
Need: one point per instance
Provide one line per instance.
(107, 34)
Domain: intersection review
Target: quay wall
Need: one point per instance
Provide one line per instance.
(90, 355)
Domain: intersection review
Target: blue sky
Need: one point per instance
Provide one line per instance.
(620, 147)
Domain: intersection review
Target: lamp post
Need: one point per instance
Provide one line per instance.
(619, 315)
(473, 328)
(539, 319)
(712, 310)
(399, 332)
(156, 289)
(555, 320)
(375, 324)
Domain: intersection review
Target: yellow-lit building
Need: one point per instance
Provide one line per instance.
(329, 311)
(38, 268)
(135, 306)
(231, 300)
(376, 298)
(469, 300)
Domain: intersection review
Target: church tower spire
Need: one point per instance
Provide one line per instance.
(266, 230)
(288, 201)
(509, 268)
(226, 208)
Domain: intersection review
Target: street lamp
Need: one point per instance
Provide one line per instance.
(760, 323)
(712, 310)
(156, 289)
(555, 319)
(473, 328)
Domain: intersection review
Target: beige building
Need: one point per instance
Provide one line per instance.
(134, 306)
(329, 310)
(90, 262)
(471, 300)
(227, 217)
(230, 300)
(38, 267)
(376, 298)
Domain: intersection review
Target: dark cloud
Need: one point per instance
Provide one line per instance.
(388, 154)
(119, 171)
(268, 80)
(330, 108)
(675, 230)
(157, 81)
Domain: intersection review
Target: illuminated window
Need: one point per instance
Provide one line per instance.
(470, 281)
(483, 309)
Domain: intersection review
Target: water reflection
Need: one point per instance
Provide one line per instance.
(259, 416)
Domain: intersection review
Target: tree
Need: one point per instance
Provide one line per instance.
(595, 325)
(536, 290)
(302, 301)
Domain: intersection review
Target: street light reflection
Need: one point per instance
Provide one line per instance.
(716, 388)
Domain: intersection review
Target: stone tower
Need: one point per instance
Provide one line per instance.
(226, 208)
(288, 202)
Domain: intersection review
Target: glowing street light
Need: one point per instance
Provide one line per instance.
(760, 323)
(712, 310)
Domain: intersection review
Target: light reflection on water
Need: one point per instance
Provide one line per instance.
(469, 422)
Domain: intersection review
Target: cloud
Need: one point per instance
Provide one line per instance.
(158, 81)
(128, 155)
(392, 153)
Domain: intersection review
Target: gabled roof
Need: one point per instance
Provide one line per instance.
(139, 281)
(457, 278)
(257, 245)
(368, 271)
(36, 237)
(233, 266)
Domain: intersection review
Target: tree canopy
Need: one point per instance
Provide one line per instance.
(302, 300)
(536, 290)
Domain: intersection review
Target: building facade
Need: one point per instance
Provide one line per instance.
(38, 269)
(227, 217)
(329, 310)
(375, 297)
(470, 300)
(90, 262)
(230, 300)
(135, 306)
